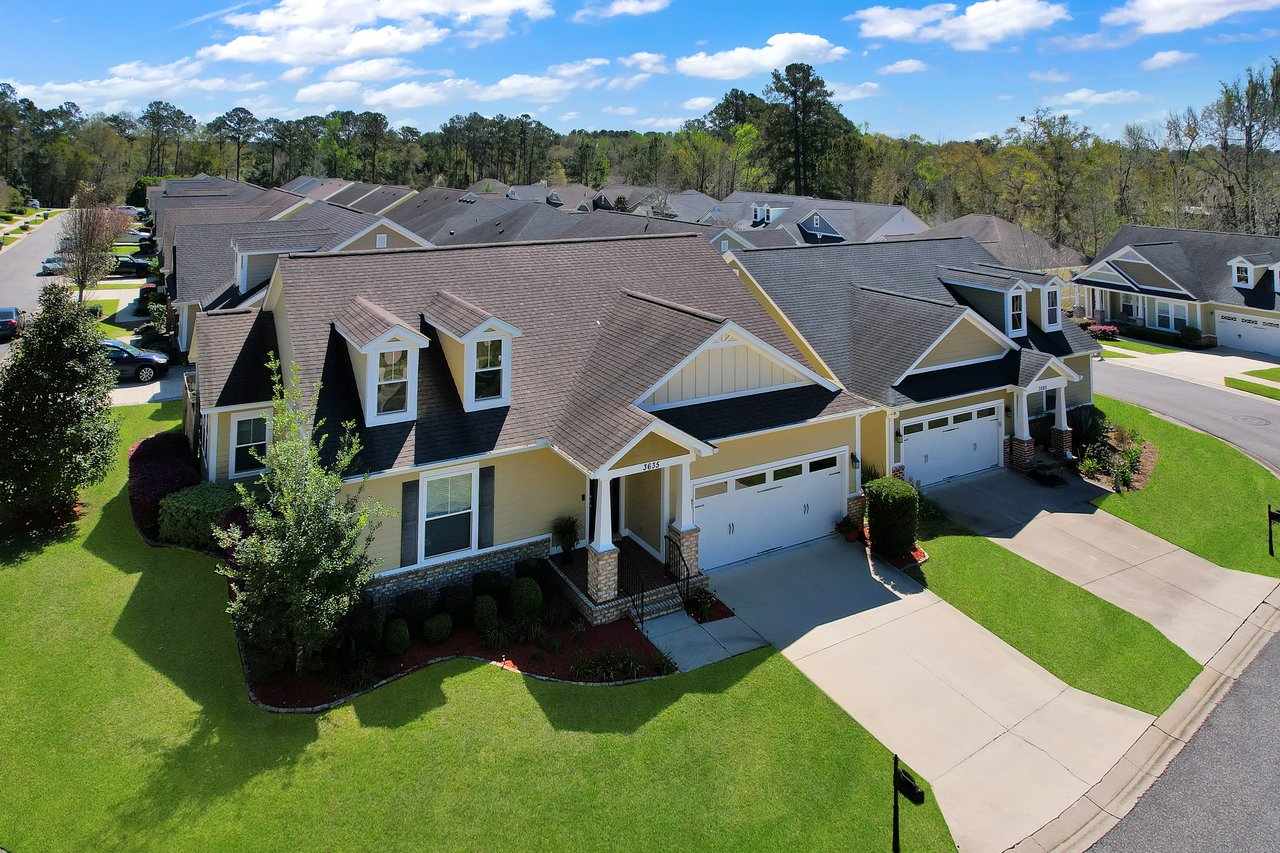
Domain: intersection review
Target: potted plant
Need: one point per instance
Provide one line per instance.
(564, 532)
(849, 528)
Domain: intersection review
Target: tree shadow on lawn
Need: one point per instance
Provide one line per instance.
(20, 544)
(410, 697)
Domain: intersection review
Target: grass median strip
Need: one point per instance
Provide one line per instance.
(1204, 495)
(124, 723)
(1142, 347)
(1268, 391)
(1110, 353)
(1271, 373)
(1087, 642)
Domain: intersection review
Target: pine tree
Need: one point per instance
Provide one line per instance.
(57, 435)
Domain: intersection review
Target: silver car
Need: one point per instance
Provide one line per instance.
(53, 266)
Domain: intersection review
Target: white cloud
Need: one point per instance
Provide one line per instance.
(1264, 34)
(619, 7)
(1051, 75)
(293, 75)
(843, 92)
(1166, 59)
(1004, 97)
(330, 91)
(903, 66)
(539, 89)
(578, 68)
(979, 26)
(372, 69)
(304, 45)
(654, 63)
(569, 116)
(698, 104)
(780, 50)
(660, 123)
(1090, 98)
(628, 82)
(619, 111)
(1174, 16)
(137, 81)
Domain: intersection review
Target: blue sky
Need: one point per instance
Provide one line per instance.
(943, 70)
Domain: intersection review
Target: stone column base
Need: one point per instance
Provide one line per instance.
(688, 540)
(1021, 452)
(1061, 439)
(602, 574)
(899, 471)
(1006, 451)
(858, 509)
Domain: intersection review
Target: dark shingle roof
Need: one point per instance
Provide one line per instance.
(381, 198)
(1009, 243)
(234, 348)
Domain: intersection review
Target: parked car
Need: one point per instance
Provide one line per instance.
(11, 322)
(133, 363)
(53, 266)
(132, 211)
(33, 202)
(132, 266)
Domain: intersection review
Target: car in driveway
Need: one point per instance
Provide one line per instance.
(132, 266)
(53, 266)
(133, 363)
(12, 321)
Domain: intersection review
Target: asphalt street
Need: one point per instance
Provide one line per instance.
(20, 279)
(1250, 423)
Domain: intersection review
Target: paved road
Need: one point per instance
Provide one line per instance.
(1250, 424)
(1222, 792)
(20, 281)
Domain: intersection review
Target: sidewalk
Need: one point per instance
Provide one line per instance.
(1209, 367)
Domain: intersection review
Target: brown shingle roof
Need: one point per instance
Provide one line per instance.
(361, 321)
(453, 314)
(234, 348)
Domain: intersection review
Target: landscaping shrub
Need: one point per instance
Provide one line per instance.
(188, 516)
(526, 598)
(1100, 332)
(95, 311)
(564, 532)
(556, 611)
(149, 337)
(496, 585)
(395, 639)
(437, 629)
(893, 509)
(414, 606)
(365, 625)
(1190, 336)
(607, 665)
(537, 568)
(1089, 468)
(1088, 427)
(24, 227)
(663, 664)
(457, 600)
(1155, 336)
(700, 604)
(158, 467)
(485, 613)
(159, 314)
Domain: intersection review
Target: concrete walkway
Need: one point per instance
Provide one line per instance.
(1196, 604)
(1007, 746)
(692, 645)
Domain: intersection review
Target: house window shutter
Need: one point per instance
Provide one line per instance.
(409, 523)
(485, 536)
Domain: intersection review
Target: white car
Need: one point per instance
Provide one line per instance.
(53, 266)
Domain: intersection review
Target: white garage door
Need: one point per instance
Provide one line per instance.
(952, 445)
(755, 511)
(1256, 334)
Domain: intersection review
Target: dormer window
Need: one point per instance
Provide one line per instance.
(1017, 314)
(1052, 312)
(393, 382)
(1243, 277)
(489, 382)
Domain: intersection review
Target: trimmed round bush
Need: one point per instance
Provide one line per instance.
(395, 637)
(457, 600)
(526, 598)
(188, 516)
(158, 467)
(485, 613)
(437, 629)
(893, 511)
(1189, 336)
(414, 605)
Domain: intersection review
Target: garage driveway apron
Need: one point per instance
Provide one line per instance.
(1007, 746)
(1196, 604)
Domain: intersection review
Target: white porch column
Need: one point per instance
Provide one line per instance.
(1060, 411)
(1021, 425)
(684, 501)
(603, 538)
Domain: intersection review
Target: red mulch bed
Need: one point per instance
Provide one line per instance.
(719, 610)
(309, 691)
(916, 558)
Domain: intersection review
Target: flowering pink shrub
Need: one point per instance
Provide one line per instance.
(1103, 333)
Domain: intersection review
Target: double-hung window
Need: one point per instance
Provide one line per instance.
(249, 437)
(449, 517)
(488, 372)
(393, 381)
(1051, 313)
(1017, 314)
(1171, 316)
(1242, 276)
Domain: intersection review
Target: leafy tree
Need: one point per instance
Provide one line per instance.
(238, 126)
(89, 230)
(57, 435)
(802, 125)
(303, 558)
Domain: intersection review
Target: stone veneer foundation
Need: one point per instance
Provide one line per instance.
(388, 585)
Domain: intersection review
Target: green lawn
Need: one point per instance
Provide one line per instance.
(1142, 347)
(1109, 353)
(110, 307)
(7, 239)
(124, 724)
(125, 248)
(1204, 495)
(1253, 387)
(1271, 373)
(1089, 643)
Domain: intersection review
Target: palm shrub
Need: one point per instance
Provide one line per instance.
(300, 563)
(893, 512)
(564, 530)
(57, 435)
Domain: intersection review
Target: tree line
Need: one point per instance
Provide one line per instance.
(1209, 167)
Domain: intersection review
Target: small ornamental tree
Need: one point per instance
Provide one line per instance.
(90, 229)
(57, 435)
(299, 564)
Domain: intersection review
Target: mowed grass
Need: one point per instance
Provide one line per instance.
(124, 724)
(1270, 373)
(1204, 495)
(1269, 391)
(110, 307)
(1087, 642)
(1142, 347)
(1108, 353)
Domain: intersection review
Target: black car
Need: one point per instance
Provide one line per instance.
(133, 363)
(11, 323)
(131, 266)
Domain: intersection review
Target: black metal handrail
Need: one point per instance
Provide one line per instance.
(678, 568)
(629, 567)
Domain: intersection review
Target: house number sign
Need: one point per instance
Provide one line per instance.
(651, 466)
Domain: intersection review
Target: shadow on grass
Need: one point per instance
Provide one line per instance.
(18, 544)
(406, 699)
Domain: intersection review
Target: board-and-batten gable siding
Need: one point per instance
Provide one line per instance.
(723, 369)
(530, 489)
(965, 342)
(761, 450)
(260, 268)
(643, 503)
(395, 240)
(988, 303)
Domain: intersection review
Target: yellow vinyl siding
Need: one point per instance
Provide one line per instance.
(226, 439)
(1080, 393)
(455, 354)
(756, 450)
(651, 447)
(874, 451)
(965, 342)
(643, 504)
(395, 240)
(723, 369)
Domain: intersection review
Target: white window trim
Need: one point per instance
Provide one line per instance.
(474, 546)
(1057, 326)
(232, 472)
(1235, 275)
(380, 240)
(503, 399)
(1010, 329)
(371, 416)
(1173, 315)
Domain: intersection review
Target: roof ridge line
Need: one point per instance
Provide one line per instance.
(675, 306)
(510, 245)
(913, 297)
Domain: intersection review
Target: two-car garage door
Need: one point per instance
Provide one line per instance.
(749, 512)
(1248, 332)
(953, 444)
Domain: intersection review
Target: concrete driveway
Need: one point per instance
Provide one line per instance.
(168, 387)
(1007, 746)
(1205, 367)
(1196, 604)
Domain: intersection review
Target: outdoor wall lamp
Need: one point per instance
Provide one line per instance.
(857, 463)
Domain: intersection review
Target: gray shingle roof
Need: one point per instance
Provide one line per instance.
(234, 346)
(381, 198)
(453, 314)
(439, 213)
(1009, 243)
(361, 321)
(856, 221)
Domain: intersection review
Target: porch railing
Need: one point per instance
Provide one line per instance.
(678, 568)
(631, 572)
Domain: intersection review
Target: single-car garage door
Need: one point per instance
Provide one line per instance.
(744, 514)
(1243, 331)
(951, 445)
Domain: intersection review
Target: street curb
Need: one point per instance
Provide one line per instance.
(1101, 808)
(1195, 381)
